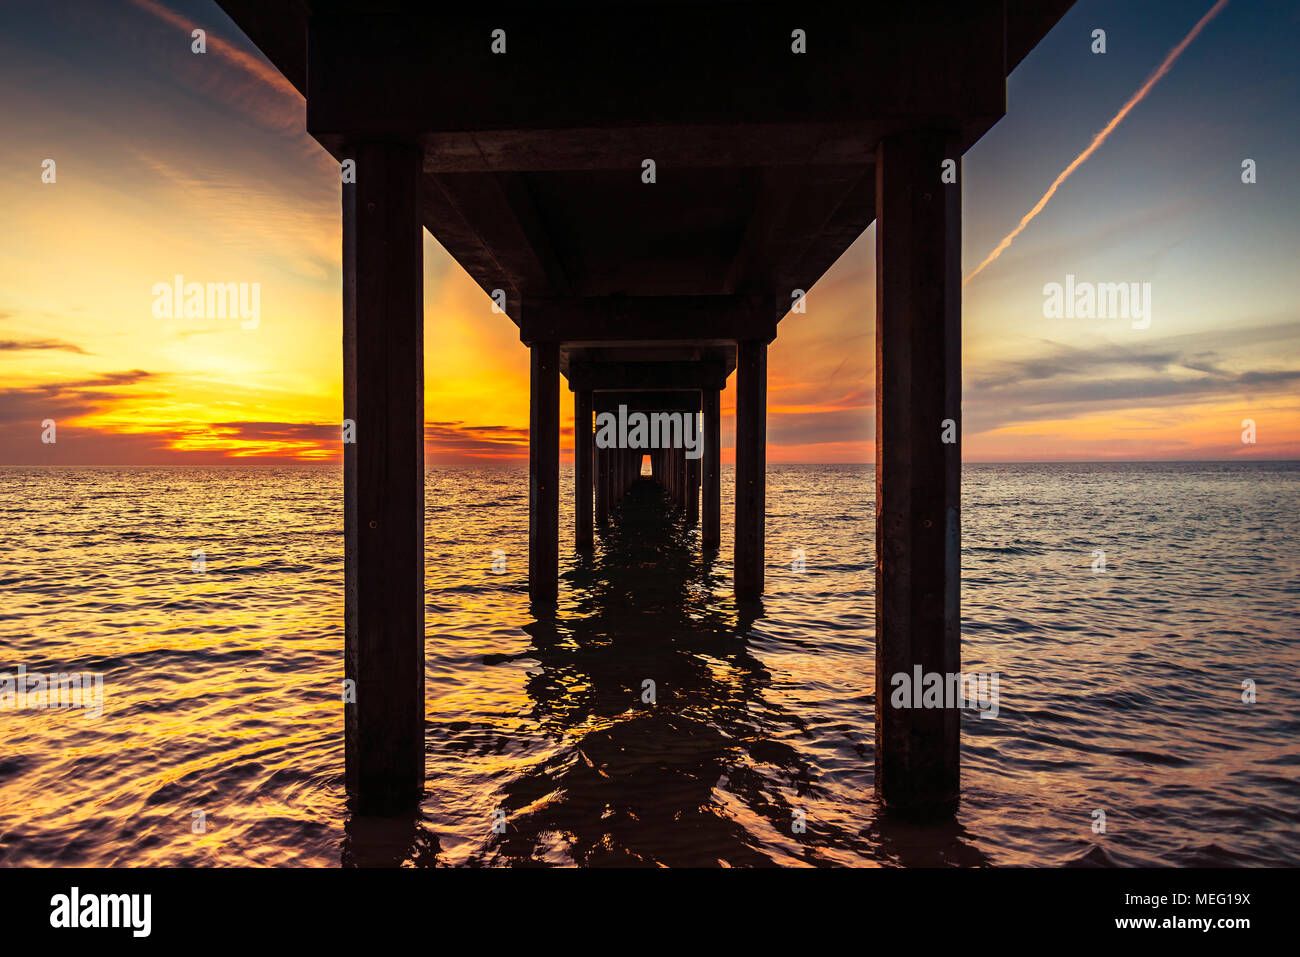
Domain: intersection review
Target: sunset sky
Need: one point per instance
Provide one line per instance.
(173, 163)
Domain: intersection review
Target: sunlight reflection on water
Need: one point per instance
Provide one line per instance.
(1119, 691)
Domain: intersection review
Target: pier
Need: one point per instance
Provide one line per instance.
(649, 189)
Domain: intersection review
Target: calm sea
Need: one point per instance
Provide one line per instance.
(221, 738)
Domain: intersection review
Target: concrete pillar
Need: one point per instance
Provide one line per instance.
(918, 477)
(616, 477)
(692, 490)
(602, 486)
(679, 484)
(751, 465)
(677, 478)
(683, 478)
(544, 471)
(684, 471)
(383, 479)
(583, 443)
(711, 532)
(612, 477)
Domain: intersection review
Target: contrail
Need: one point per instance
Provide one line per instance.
(249, 64)
(1100, 138)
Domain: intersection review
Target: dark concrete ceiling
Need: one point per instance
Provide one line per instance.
(533, 161)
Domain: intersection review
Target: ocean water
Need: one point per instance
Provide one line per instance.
(221, 736)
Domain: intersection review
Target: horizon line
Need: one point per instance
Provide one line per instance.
(523, 464)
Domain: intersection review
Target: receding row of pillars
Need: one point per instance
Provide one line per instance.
(679, 474)
(694, 485)
(616, 471)
(918, 385)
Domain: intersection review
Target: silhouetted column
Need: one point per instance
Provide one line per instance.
(383, 479)
(683, 479)
(684, 471)
(616, 477)
(622, 474)
(751, 465)
(692, 490)
(583, 443)
(602, 486)
(686, 482)
(918, 476)
(544, 471)
(711, 532)
(679, 468)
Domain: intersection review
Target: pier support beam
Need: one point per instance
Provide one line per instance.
(602, 486)
(751, 465)
(683, 494)
(383, 480)
(711, 532)
(583, 444)
(544, 471)
(620, 476)
(918, 476)
(616, 477)
(674, 486)
(692, 490)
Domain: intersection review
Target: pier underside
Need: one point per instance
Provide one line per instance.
(647, 189)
